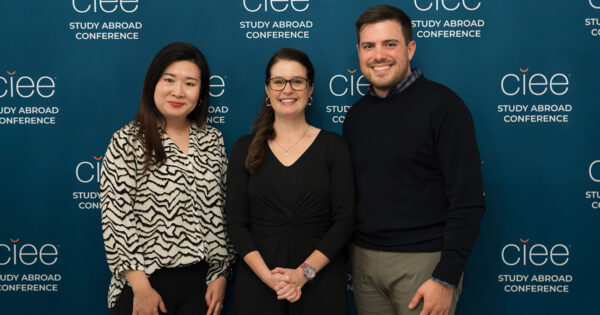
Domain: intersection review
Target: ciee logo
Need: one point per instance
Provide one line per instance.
(89, 171)
(470, 5)
(256, 5)
(536, 254)
(27, 254)
(106, 6)
(26, 86)
(536, 84)
(595, 4)
(591, 173)
(341, 84)
(217, 86)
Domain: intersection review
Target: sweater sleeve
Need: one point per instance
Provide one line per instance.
(117, 193)
(460, 163)
(236, 207)
(342, 199)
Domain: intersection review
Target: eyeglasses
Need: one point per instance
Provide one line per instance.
(278, 84)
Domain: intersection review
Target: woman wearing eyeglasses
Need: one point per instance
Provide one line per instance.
(290, 202)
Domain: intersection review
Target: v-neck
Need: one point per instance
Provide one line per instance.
(301, 155)
(177, 148)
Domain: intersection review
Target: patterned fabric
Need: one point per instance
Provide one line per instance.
(170, 216)
(412, 77)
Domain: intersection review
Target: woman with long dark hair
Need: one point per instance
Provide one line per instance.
(162, 195)
(290, 202)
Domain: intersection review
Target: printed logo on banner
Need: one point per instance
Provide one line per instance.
(17, 255)
(521, 89)
(88, 172)
(217, 113)
(275, 28)
(349, 83)
(593, 23)
(594, 195)
(108, 27)
(469, 24)
(19, 94)
(533, 261)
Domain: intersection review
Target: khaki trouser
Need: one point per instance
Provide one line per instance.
(385, 282)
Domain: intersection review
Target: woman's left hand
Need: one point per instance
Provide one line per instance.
(215, 293)
(296, 277)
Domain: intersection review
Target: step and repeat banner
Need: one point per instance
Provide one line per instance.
(71, 73)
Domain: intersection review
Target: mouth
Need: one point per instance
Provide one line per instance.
(288, 100)
(176, 104)
(381, 68)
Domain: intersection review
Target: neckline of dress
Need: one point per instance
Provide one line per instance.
(301, 155)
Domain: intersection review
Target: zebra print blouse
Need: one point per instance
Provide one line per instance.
(169, 216)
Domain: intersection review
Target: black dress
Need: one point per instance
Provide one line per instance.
(286, 213)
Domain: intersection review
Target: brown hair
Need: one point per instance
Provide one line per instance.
(262, 128)
(381, 13)
(148, 115)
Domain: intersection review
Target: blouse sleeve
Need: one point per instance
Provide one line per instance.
(342, 199)
(236, 207)
(224, 255)
(117, 193)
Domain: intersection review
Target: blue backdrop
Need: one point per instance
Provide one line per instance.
(71, 74)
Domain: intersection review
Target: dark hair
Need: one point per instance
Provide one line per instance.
(148, 115)
(262, 128)
(381, 13)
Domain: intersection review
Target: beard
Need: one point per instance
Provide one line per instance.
(388, 80)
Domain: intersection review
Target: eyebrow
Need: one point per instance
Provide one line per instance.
(294, 77)
(383, 41)
(187, 78)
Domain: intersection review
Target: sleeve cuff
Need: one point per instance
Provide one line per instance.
(118, 273)
(442, 282)
(448, 273)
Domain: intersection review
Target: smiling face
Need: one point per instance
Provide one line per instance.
(384, 55)
(177, 91)
(288, 102)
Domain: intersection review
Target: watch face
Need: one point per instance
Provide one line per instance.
(309, 272)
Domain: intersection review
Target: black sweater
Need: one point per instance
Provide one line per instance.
(418, 174)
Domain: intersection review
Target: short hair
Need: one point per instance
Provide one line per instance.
(381, 13)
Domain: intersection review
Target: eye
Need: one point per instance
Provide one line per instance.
(190, 84)
(367, 46)
(391, 45)
(278, 81)
(169, 80)
(298, 81)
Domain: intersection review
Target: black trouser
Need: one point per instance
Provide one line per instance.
(182, 290)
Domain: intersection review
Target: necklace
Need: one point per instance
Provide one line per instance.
(286, 152)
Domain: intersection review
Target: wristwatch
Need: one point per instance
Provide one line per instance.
(309, 271)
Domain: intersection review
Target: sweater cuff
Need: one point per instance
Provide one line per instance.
(442, 282)
(449, 273)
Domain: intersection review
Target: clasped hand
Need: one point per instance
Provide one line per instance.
(287, 283)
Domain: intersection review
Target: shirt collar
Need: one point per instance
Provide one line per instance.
(412, 77)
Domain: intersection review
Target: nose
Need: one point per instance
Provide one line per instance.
(378, 54)
(177, 89)
(287, 88)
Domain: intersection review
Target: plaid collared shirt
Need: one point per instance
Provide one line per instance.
(412, 77)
